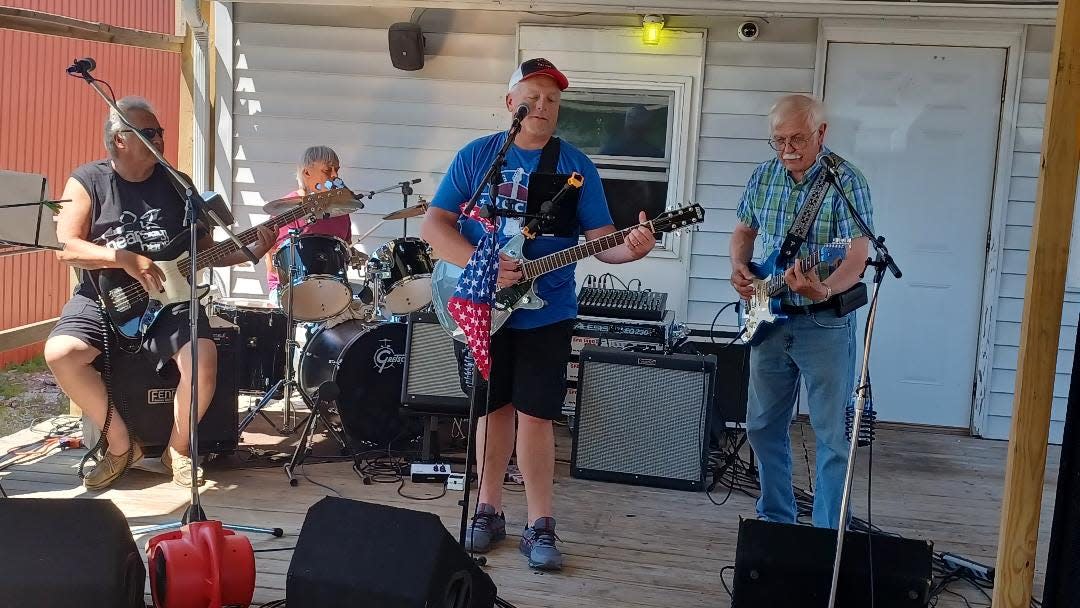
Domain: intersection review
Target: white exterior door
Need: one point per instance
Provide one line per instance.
(921, 122)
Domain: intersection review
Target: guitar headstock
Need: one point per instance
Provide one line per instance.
(331, 197)
(679, 218)
(835, 251)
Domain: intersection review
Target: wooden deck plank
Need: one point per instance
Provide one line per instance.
(624, 545)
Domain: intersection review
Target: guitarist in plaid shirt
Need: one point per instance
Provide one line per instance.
(815, 343)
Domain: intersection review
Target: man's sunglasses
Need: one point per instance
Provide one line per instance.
(149, 132)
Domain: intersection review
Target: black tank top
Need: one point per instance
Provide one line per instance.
(141, 217)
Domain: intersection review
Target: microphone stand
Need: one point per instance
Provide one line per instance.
(406, 192)
(882, 261)
(491, 180)
(194, 202)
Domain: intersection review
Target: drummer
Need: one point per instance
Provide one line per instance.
(317, 165)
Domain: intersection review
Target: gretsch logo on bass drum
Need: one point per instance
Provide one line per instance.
(385, 357)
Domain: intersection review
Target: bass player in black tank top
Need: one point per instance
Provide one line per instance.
(124, 211)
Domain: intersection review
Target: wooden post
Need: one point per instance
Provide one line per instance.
(185, 152)
(1043, 297)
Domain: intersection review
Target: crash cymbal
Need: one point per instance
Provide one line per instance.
(330, 203)
(413, 211)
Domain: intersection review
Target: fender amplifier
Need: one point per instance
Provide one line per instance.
(643, 418)
(148, 397)
(432, 383)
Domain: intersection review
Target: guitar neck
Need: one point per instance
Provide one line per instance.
(775, 283)
(222, 249)
(570, 255)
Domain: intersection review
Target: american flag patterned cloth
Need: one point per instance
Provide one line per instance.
(471, 304)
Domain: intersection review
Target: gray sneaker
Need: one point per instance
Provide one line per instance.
(486, 529)
(538, 544)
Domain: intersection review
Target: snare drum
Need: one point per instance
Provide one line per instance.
(316, 274)
(404, 270)
(263, 329)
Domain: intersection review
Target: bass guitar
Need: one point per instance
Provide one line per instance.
(763, 308)
(132, 311)
(444, 279)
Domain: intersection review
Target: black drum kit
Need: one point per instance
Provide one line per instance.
(352, 359)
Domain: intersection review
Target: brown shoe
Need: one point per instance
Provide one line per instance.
(111, 468)
(181, 468)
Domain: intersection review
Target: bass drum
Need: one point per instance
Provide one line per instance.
(367, 362)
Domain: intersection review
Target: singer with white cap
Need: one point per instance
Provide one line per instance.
(817, 341)
(528, 355)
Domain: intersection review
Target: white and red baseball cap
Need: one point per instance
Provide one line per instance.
(539, 67)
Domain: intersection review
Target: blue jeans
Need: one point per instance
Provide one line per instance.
(821, 348)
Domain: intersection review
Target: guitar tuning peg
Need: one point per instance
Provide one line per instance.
(338, 183)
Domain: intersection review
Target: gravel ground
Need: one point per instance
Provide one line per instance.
(28, 392)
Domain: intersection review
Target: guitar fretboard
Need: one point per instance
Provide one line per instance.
(775, 284)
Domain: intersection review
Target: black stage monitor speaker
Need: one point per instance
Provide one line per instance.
(406, 46)
(149, 396)
(643, 418)
(352, 553)
(432, 383)
(784, 565)
(1062, 588)
(60, 552)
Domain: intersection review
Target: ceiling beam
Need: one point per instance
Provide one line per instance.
(38, 22)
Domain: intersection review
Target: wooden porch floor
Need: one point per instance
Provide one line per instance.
(625, 546)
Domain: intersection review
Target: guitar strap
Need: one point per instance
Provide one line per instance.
(549, 156)
(796, 236)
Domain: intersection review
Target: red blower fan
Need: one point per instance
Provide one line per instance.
(201, 565)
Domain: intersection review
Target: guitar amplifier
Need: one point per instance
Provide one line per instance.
(431, 380)
(148, 397)
(643, 418)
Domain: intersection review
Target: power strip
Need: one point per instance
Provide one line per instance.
(429, 473)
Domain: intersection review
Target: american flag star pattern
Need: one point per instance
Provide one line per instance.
(471, 304)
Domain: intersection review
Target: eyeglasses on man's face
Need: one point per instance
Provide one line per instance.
(149, 132)
(797, 142)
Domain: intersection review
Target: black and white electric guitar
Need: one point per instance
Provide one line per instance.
(132, 311)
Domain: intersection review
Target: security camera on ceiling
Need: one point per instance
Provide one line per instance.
(748, 30)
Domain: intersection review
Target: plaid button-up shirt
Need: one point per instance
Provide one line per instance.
(772, 200)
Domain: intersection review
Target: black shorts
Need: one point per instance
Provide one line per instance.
(528, 368)
(81, 318)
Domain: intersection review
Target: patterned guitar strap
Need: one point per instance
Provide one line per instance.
(796, 236)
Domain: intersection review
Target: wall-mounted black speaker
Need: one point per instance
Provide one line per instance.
(61, 552)
(352, 553)
(406, 46)
(784, 565)
(643, 418)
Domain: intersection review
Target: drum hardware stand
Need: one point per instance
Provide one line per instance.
(195, 206)
(406, 192)
(289, 381)
(327, 393)
(882, 261)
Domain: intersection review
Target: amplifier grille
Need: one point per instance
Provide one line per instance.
(432, 374)
(643, 421)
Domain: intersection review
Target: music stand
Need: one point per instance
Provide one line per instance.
(27, 218)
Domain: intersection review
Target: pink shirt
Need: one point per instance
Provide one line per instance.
(340, 226)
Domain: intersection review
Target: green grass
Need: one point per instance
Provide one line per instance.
(11, 384)
(37, 364)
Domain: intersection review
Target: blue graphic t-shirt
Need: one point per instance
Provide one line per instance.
(465, 175)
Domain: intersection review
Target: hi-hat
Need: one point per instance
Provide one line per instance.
(333, 208)
(413, 211)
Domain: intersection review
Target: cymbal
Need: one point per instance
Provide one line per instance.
(340, 205)
(413, 211)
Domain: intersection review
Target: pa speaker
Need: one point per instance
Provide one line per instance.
(783, 565)
(68, 552)
(352, 553)
(406, 46)
(643, 418)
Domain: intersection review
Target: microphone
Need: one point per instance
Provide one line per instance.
(82, 66)
(521, 112)
(832, 165)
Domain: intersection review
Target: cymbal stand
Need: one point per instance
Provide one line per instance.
(406, 191)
